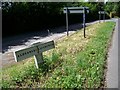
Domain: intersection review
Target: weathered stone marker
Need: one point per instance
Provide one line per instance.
(34, 50)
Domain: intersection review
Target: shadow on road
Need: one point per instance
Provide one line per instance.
(22, 39)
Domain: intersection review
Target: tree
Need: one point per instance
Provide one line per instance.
(113, 8)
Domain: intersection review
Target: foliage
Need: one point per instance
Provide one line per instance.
(113, 8)
(24, 17)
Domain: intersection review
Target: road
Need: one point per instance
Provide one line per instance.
(112, 68)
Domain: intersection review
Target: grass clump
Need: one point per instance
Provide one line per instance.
(76, 62)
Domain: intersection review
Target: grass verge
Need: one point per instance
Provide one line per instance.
(76, 62)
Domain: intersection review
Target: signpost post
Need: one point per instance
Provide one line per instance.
(67, 21)
(99, 16)
(82, 10)
(84, 20)
(34, 50)
(104, 17)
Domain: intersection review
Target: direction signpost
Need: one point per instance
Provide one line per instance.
(101, 12)
(34, 50)
(82, 10)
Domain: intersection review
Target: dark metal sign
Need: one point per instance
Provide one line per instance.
(82, 10)
(101, 12)
(76, 9)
